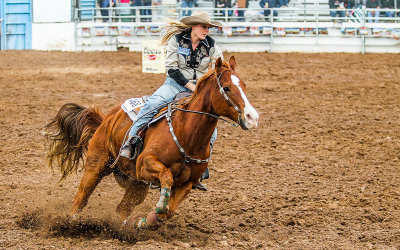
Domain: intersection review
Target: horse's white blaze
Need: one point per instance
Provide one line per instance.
(250, 114)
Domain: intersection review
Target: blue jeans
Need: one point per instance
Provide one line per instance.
(340, 13)
(283, 3)
(389, 13)
(187, 4)
(268, 12)
(164, 94)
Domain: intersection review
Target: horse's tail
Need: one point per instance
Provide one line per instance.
(70, 131)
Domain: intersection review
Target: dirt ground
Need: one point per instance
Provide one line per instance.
(321, 171)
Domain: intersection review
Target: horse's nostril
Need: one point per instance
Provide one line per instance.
(249, 118)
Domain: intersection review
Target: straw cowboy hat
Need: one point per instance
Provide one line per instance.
(200, 17)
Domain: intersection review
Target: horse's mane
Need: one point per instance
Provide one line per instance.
(200, 83)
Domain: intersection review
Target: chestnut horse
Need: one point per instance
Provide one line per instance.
(175, 153)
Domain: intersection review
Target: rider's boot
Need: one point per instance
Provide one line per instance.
(200, 186)
(130, 148)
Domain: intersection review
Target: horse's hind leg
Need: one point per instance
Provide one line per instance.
(135, 193)
(96, 167)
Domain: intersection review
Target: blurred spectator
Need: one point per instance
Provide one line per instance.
(283, 3)
(266, 4)
(348, 5)
(124, 11)
(143, 12)
(397, 6)
(387, 5)
(373, 16)
(147, 12)
(188, 4)
(224, 4)
(105, 4)
(241, 4)
(337, 9)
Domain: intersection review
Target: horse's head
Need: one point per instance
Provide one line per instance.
(231, 100)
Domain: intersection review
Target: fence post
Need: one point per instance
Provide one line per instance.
(363, 25)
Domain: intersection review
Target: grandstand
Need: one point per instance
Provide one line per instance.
(303, 26)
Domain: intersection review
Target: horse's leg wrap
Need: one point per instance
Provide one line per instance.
(162, 205)
(142, 223)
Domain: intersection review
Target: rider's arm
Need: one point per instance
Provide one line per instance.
(171, 62)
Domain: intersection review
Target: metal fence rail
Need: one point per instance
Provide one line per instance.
(288, 14)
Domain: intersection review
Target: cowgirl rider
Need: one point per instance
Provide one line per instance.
(190, 51)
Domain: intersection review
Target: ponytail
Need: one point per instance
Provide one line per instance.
(173, 28)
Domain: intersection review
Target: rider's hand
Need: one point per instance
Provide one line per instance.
(191, 85)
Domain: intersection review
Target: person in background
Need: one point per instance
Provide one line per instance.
(147, 12)
(103, 4)
(387, 7)
(224, 4)
(373, 16)
(337, 9)
(188, 4)
(144, 13)
(190, 52)
(267, 4)
(241, 4)
(123, 9)
(349, 5)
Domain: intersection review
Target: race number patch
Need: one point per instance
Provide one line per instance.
(183, 51)
(132, 104)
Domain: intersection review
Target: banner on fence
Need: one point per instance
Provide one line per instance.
(153, 57)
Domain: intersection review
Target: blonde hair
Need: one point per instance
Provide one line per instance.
(173, 28)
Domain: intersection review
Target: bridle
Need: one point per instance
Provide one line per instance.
(172, 107)
(223, 93)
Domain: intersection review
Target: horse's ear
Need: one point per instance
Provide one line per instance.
(232, 62)
(218, 63)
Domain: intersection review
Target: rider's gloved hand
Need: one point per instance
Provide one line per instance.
(191, 85)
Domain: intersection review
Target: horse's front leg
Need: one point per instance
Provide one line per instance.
(178, 195)
(154, 219)
(152, 169)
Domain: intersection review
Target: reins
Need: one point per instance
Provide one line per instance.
(205, 113)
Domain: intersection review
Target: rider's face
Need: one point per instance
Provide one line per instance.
(200, 31)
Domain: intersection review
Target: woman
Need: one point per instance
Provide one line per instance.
(189, 53)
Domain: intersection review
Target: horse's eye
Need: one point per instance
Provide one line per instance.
(226, 89)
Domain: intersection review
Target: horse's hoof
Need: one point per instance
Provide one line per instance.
(131, 221)
(154, 220)
(74, 217)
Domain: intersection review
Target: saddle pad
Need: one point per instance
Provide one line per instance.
(132, 106)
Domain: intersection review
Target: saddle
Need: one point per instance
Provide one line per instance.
(132, 107)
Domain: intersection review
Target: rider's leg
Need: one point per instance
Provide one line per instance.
(163, 95)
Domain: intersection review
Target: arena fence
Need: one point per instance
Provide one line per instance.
(111, 28)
